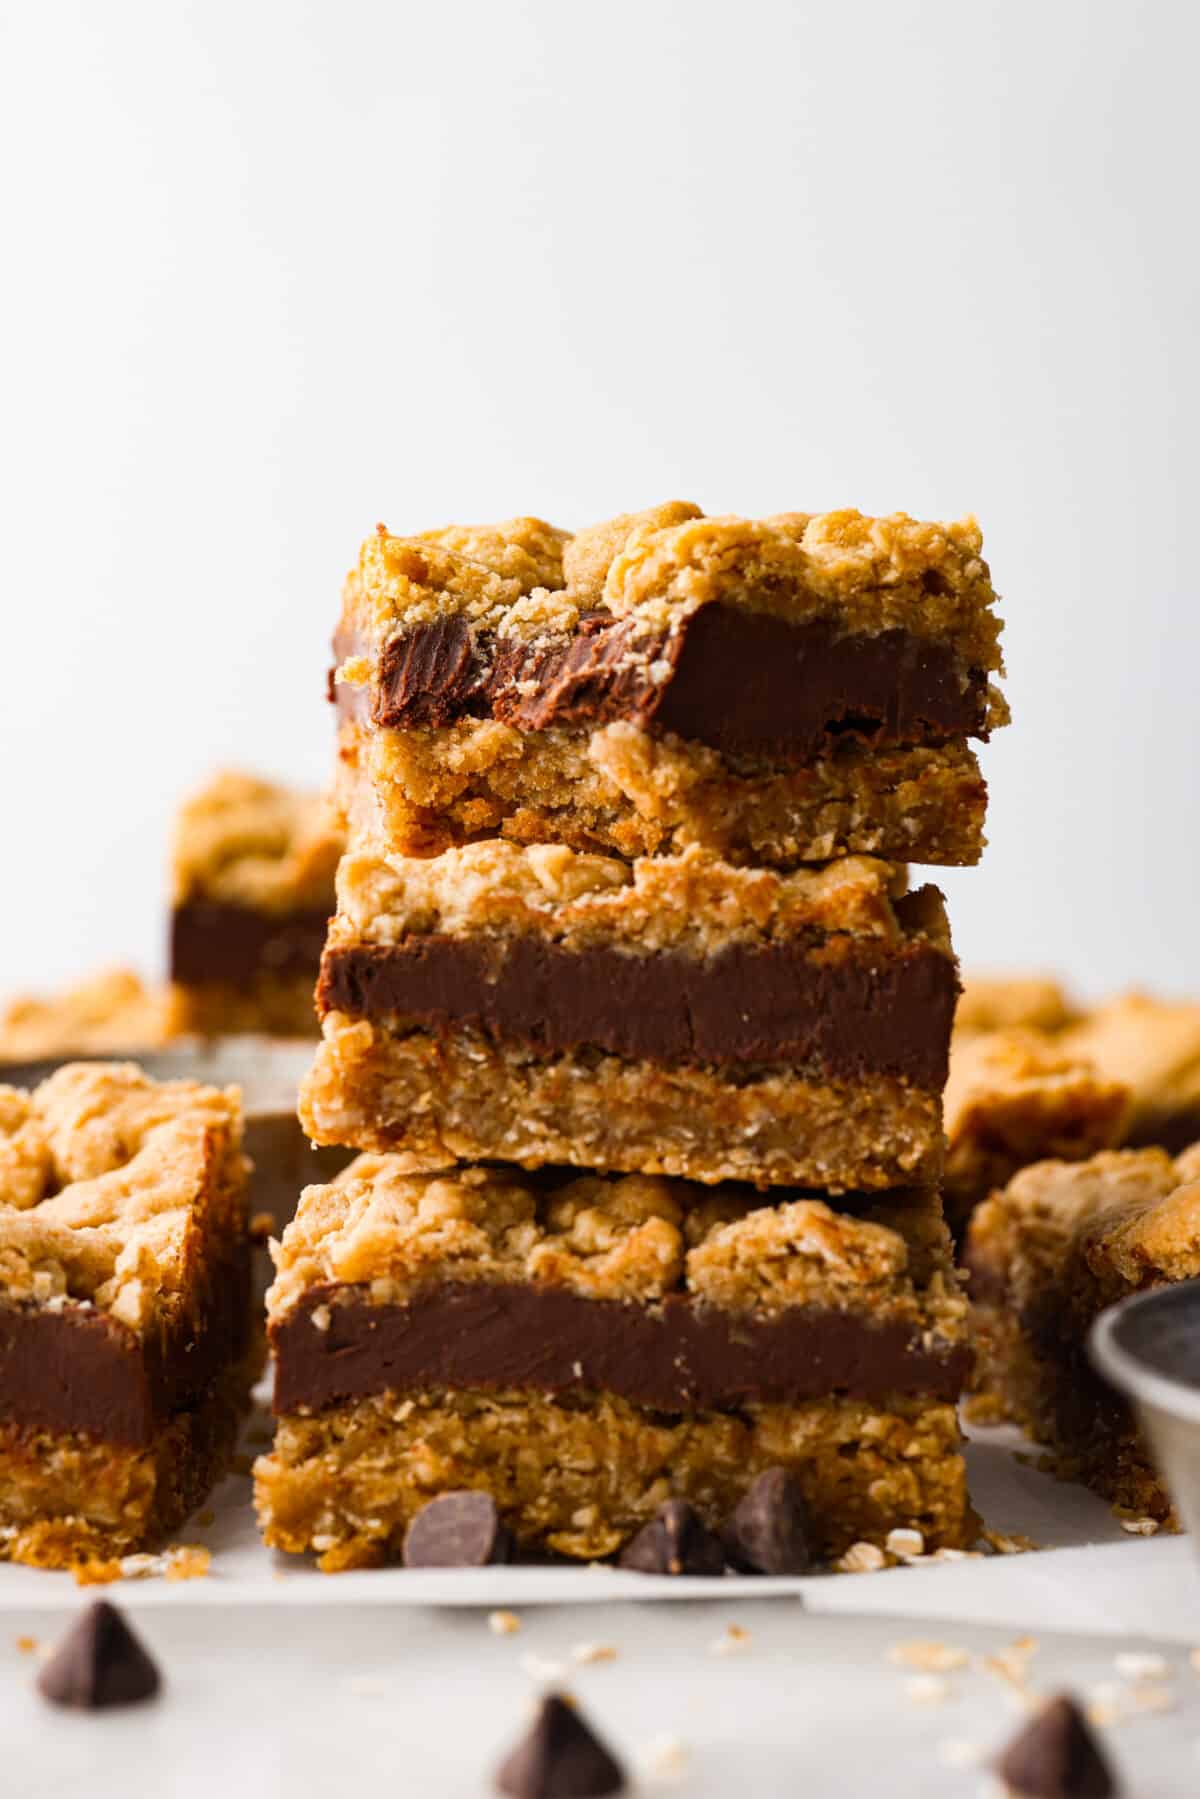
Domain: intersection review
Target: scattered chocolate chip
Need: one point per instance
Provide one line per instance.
(768, 1533)
(677, 1541)
(99, 1663)
(1057, 1756)
(559, 1757)
(457, 1530)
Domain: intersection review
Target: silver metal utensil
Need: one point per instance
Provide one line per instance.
(1148, 1348)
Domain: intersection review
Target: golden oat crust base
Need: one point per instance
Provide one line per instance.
(1094, 1445)
(463, 1097)
(67, 1500)
(580, 1479)
(269, 1005)
(633, 792)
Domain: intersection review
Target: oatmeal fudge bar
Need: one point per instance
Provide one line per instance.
(112, 1012)
(670, 1016)
(1148, 1045)
(1008, 1002)
(779, 690)
(1152, 1047)
(126, 1341)
(1046, 1256)
(585, 1348)
(1019, 1096)
(252, 889)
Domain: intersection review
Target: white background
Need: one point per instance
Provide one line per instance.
(273, 272)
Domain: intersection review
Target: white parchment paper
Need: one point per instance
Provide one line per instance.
(1088, 1575)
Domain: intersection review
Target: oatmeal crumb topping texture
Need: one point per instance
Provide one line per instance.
(102, 1174)
(634, 1237)
(245, 841)
(656, 902)
(524, 577)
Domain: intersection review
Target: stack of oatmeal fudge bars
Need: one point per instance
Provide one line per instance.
(642, 1031)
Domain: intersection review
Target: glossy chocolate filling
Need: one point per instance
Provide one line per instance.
(214, 941)
(744, 683)
(81, 1370)
(853, 1010)
(676, 1354)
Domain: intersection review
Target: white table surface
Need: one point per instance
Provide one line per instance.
(282, 1703)
(282, 1681)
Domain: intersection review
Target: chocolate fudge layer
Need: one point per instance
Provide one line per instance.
(745, 1004)
(684, 1328)
(126, 1347)
(672, 1016)
(253, 871)
(769, 689)
(506, 1291)
(214, 941)
(1046, 1255)
(739, 681)
(677, 1356)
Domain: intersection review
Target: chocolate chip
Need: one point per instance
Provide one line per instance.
(457, 1530)
(769, 1531)
(99, 1663)
(677, 1541)
(1057, 1757)
(559, 1757)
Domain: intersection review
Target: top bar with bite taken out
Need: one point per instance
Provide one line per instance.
(776, 691)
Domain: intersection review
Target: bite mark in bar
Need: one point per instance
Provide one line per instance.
(741, 682)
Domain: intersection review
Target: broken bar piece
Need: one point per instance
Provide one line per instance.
(127, 1348)
(778, 691)
(110, 1013)
(1019, 1096)
(253, 869)
(1152, 1047)
(1046, 1255)
(584, 1349)
(1012, 1002)
(674, 1016)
